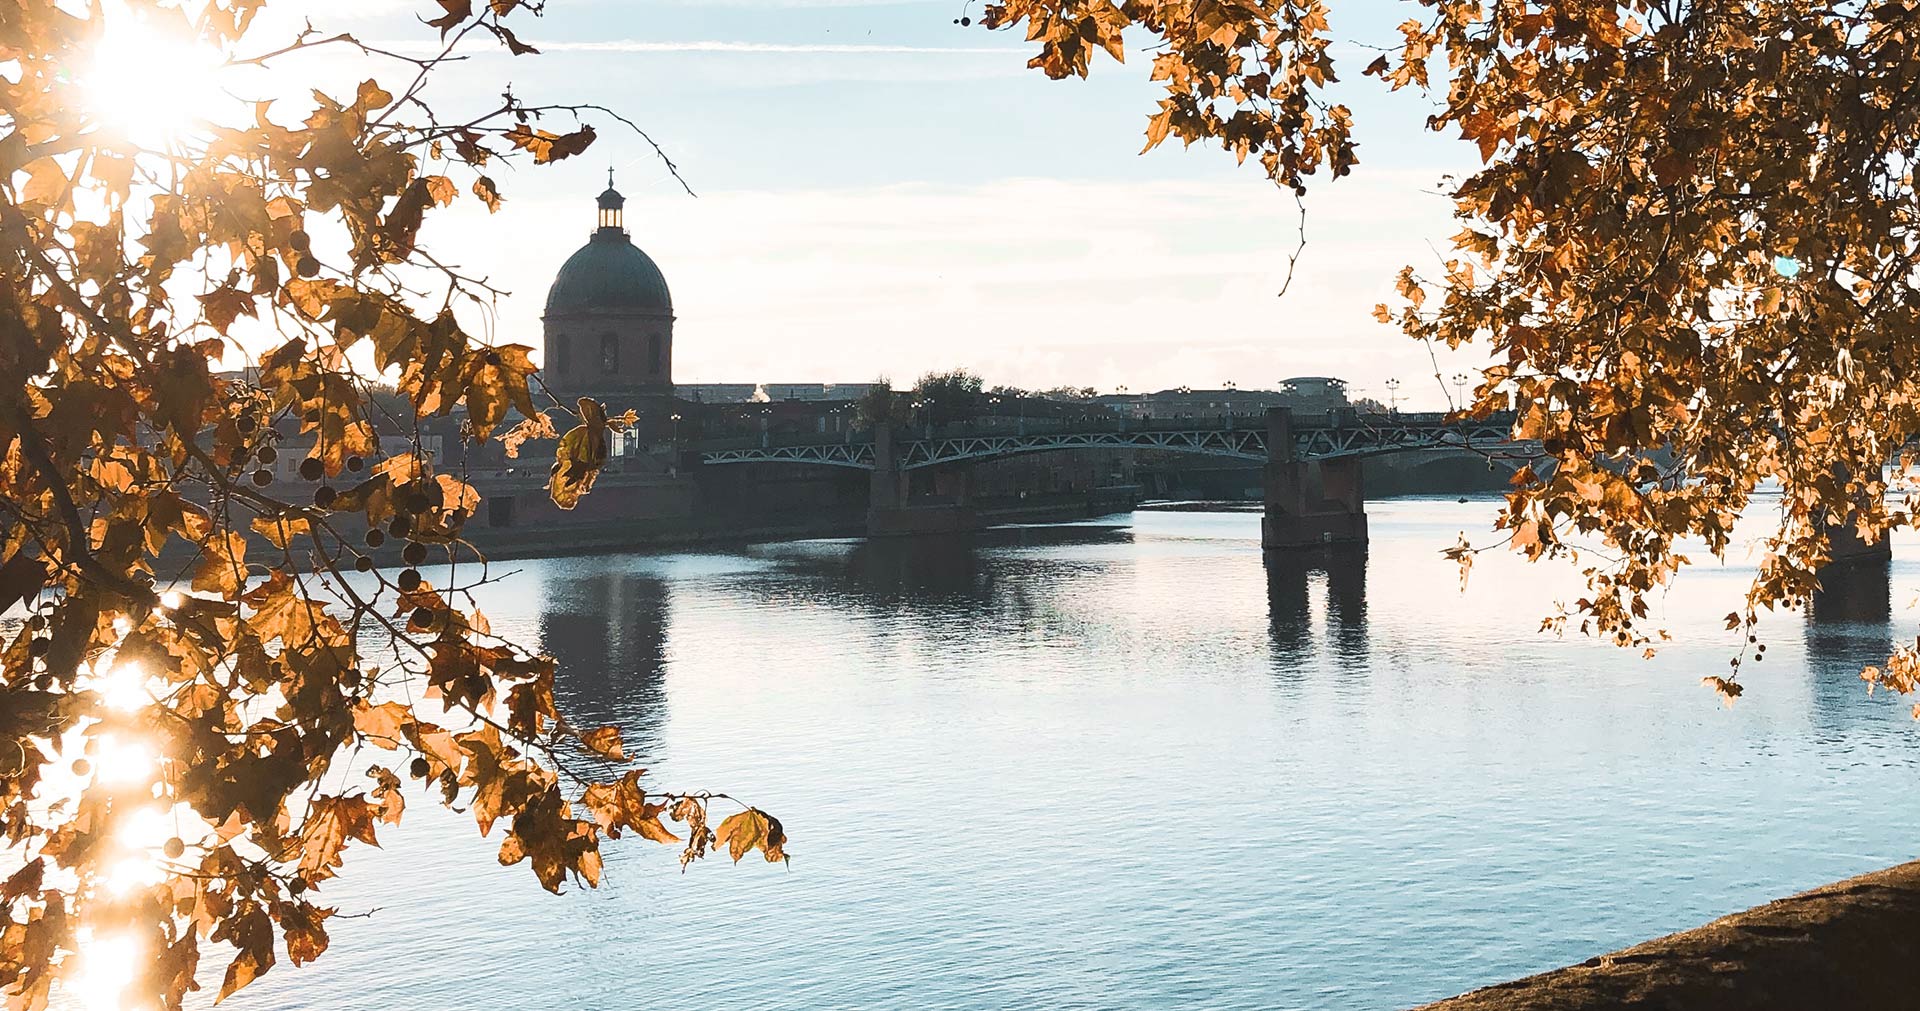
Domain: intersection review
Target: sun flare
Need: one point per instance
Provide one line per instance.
(106, 970)
(150, 82)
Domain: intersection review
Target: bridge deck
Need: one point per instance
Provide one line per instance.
(1311, 441)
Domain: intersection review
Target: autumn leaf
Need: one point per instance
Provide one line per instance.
(330, 823)
(385, 725)
(25, 881)
(281, 530)
(21, 578)
(223, 564)
(579, 457)
(302, 927)
(623, 805)
(549, 147)
(605, 742)
(456, 12)
(749, 830)
(224, 305)
(488, 193)
(441, 189)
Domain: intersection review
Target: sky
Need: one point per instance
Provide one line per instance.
(883, 192)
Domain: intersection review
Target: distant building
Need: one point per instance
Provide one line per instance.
(761, 393)
(1314, 394)
(608, 323)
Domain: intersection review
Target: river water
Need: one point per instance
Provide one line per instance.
(1130, 764)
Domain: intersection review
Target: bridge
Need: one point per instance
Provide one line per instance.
(1312, 462)
(1314, 438)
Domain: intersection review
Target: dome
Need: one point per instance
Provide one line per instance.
(609, 273)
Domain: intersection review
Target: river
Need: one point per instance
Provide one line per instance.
(1128, 764)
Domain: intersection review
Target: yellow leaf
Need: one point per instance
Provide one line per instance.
(281, 530)
(579, 457)
(457, 494)
(441, 189)
(750, 830)
(384, 725)
(605, 742)
(223, 565)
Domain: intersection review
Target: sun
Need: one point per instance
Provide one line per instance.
(148, 78)
(106, 969)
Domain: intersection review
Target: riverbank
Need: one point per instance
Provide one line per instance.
(1845, 945)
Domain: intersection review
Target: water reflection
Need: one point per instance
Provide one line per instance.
(939, 570)
(1341, 573)
(608, 634)
(948, 575)
(1481, 800)
(1849, 626)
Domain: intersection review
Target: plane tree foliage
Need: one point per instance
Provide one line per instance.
(196, 645)
(1688, 249)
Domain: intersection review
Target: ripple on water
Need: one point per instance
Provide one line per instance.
(1127, 764)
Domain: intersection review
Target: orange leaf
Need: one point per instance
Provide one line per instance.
(605, 742)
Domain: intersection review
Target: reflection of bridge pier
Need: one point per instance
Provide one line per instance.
(1289, 601)
(1849, 625)
(1309, 502)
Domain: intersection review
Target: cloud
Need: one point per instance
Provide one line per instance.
(1037, 282)
(427, 46)
(719, 46)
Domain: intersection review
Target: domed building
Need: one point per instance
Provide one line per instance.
(609, 318)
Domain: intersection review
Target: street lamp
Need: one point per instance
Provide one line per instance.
(1393, 396)
(676, 427)
(1460, 389)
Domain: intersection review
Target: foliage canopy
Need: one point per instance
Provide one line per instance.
(1690, 249)
(204, 649)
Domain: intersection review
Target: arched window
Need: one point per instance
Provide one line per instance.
(557, 350)
(609, 355)
(653, 353)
